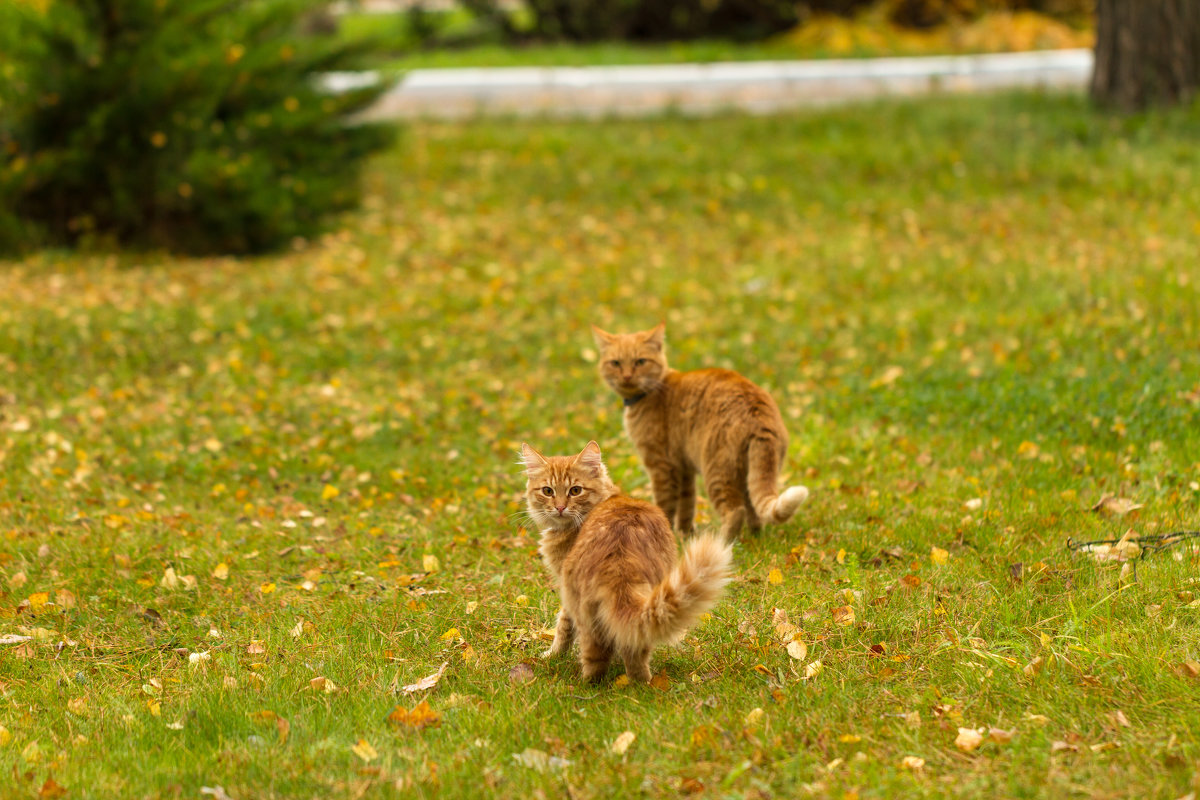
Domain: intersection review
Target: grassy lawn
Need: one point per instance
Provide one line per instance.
(243, 503)
(868, 36)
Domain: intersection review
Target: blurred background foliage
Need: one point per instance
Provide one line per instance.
(191, 125)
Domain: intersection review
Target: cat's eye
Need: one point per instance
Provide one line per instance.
(549, 492)
(641, 362)
(615, 363)
(575, 491)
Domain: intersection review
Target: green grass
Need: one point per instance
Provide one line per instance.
(963, 298)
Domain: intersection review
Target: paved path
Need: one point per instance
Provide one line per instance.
(755, 86)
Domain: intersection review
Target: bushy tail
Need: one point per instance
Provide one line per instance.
(762, 472)
(669, 609)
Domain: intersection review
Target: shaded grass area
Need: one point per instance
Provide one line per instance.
(977, 314)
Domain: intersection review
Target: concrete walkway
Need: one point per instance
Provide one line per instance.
(756, 86)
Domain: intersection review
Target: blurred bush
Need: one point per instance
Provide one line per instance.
(193, 125)
(649, 20)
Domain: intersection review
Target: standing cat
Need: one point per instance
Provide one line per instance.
(623, 586)
(712, 421)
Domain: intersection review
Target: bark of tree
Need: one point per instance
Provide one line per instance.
(1147, 52)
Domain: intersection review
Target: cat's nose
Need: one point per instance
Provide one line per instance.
(560, 509)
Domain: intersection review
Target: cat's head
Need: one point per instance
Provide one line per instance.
(562, 490)
(632, 363)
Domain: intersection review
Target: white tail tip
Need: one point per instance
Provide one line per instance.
(787, 503)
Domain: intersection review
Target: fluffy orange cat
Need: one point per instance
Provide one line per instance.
(711, 421)
(624, 588)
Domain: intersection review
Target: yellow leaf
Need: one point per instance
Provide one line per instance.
(937, 555)
(267, 588)
(38, 599)
(155, 708)
(968, 739)
(221, 571)
(753, 717)
(621, 682)
(452, 633)
(622, 742)
(844, 615)
(364, 750)
(169, 579)
(422, 716)
(5, 736)
(797, 649)
(1028, 450)
(841, 556)
(329, 492)
(913, 763)
(849, 738)
(430, 563)
(813, 669)
(775, 577)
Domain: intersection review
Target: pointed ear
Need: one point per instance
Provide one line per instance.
(603, 338)
(657, 337)
(590, 457)
(531, 458)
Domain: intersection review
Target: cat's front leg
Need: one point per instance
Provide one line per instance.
(564, 635)
(664, 483)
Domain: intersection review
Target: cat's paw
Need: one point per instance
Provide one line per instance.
(550, 652)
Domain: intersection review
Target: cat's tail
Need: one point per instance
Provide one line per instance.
(665, 612)
(762, 472)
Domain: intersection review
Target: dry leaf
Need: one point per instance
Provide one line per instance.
(52, 788)
(775, 576)
(754, 717)
(844, 615)
(779, 616)
(974, 504)
(1115, 506)
(428, 682)
(221, 571)
(422, 716)
(520, 674)
(937, 555)
(1059, 746)
(329, 492)
(12, 638)
(797, 649)
(621, 682)
(298, 630)
(430, 563)
(813, 669)
(1034, 667)
(169, 579)
(323, 684)
(1000, 736)
(1119, 719)
(661, 681)
(364, 750)
(17, 580)
(540, 761)
(622, 742)
(913, 763)
(217, 792)
(255, 647)
(968, 739)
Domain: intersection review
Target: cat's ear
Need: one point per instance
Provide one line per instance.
(531, 458)
(603, 338)
(657, 337)
(590, 458)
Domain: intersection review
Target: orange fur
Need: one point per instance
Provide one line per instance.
(623, 587)
(709, 421)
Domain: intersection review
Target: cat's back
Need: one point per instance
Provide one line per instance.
(721, 394)
(623, 537)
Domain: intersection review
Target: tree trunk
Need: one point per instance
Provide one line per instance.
(1147, 52)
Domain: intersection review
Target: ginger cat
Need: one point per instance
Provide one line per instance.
(711, 421)
(624, 588)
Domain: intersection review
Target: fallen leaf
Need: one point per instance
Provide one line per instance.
(1059, 746)
(282, 728)
(1034, 667)
(937, 555)
(5, 736)
(430, 563)
(775, 576)
(169, 579)
(64, 599)
(913, 763)
(17, 580)
(217, 792)
(1115, 506)
(323, 684)
(974, 504)
(298, 630)
(813, 669)
(520, 674)
(753, 717)
(621, 682)
(622, 742)
(661, 681)
(267, 588)
(329, 492)
(364, 750)
(1000, 736)
(1119, 719)
(797, 649)
(196, 659)
(52, 788)
(12, 638)
(37, 600)
(968, 739)
(844, 615)
(452, 633)
(221, 571)
(422, 716)
(779, 616)
(255, 647)
(540, 761)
